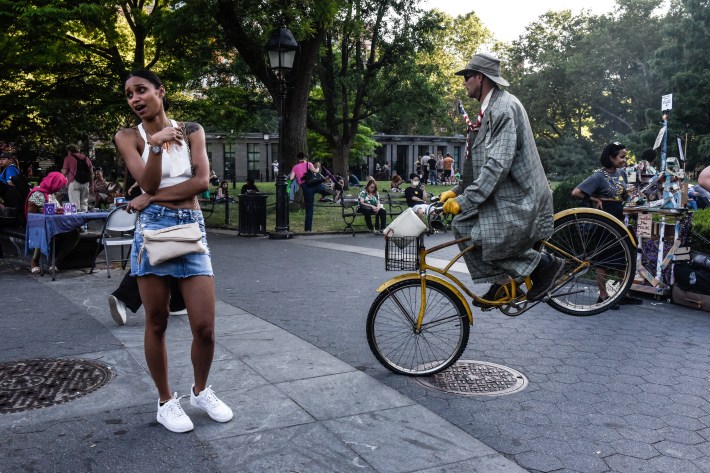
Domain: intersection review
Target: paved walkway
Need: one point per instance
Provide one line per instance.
(297, 408)
(623, 391)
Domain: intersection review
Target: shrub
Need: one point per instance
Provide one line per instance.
(700, 240)
(562, 195)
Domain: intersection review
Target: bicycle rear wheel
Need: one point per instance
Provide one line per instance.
(608, 260)
(392, 335)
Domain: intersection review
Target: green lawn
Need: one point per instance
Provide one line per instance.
(326, 216)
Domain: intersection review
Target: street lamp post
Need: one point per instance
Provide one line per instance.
(281, 47)
(266, 140)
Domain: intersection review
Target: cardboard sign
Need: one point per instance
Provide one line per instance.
(643, 225)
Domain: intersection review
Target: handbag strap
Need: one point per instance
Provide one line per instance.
(189, 155)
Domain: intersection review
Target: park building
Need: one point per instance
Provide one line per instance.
(251, 154)
(236, 157)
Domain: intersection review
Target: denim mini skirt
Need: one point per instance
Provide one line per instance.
(155, 217)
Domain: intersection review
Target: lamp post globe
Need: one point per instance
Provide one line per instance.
(281, 49)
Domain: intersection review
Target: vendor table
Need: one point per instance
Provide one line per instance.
(41, 230)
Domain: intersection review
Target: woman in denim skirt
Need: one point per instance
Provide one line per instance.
(171, 175)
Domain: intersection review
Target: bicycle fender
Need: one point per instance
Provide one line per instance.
(448, 285)
(588, 210)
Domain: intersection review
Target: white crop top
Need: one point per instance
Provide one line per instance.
(176, 161)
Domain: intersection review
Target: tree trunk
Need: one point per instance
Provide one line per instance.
(341, 156)
(295, 129)
(241, 33)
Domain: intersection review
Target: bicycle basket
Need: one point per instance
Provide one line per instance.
(402, 253)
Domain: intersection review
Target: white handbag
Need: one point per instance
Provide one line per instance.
(168, 243)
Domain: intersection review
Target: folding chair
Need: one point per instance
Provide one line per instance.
(117, 231)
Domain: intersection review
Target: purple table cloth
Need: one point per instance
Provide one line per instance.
(41, 228)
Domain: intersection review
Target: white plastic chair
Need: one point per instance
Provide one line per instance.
(117, 231)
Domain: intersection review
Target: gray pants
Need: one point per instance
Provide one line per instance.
(79, 195)
(517, 267)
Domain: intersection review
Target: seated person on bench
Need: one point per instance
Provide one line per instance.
(416, 196)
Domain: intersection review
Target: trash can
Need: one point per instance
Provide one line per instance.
(252, 213)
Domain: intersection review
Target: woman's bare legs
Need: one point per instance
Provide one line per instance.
(198, 292)
(155, 293)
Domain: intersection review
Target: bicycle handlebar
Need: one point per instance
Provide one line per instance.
(434, 209)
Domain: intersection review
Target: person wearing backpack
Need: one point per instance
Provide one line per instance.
(80, 174)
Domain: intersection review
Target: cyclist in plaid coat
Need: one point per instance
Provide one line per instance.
(503, 201)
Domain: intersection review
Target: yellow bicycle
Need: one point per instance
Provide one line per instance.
(419, 322)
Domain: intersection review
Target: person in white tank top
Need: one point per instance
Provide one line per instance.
(170, 175)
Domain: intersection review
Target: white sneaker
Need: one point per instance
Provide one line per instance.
(118, 309)
(210, 403)
(173, 417)
(178, 312)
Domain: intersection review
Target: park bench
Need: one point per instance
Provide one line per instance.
(207, 207)
(348, 205)
(395, 203)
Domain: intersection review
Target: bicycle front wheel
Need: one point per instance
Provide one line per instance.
(394, 339)
(599, 255)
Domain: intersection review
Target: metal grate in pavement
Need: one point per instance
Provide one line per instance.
(42, 382)
(476, 378)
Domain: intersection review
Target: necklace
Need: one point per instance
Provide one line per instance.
(150, 135)
(615, 186)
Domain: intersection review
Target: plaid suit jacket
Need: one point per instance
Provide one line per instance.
(504, 189)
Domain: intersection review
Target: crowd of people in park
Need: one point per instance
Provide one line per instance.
(437, 170)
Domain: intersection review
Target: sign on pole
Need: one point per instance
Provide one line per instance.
(666, 102)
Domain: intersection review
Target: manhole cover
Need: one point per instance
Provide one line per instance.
(476, 378)
(42, 382)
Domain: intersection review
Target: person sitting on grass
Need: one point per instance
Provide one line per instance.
(222, 193)
(353, 181)
(249, 187)
(338, 186)
(396, 182)
(214, 180)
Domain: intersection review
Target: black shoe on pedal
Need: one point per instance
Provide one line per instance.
(544, 276)
(489, 296)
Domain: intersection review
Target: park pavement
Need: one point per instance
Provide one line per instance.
(297, 408)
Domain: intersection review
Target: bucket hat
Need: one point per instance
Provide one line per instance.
(487, 65)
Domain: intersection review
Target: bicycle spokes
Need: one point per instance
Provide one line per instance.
(392, 333)
(599, 263)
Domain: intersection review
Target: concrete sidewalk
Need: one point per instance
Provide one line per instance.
(297, 408)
